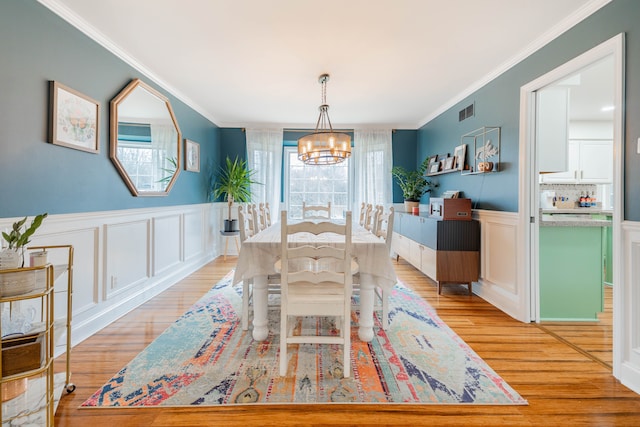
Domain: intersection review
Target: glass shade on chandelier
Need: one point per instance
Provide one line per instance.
(324, 146)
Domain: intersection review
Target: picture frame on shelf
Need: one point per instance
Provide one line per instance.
(443, 162)
(73, 119)
(434, 165)
(448, 163)
(459, 154)
(191, 156)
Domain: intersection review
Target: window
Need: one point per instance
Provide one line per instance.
(315, 185)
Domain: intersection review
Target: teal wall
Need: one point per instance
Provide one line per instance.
(498, 104)
(35, 176)
(37, 46)
(404, 154)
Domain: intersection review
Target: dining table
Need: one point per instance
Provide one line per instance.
(260, 252)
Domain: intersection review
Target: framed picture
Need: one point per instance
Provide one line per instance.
(73, 119)
(191, 156)
(459, 154)
(448, 163)
(434, 165)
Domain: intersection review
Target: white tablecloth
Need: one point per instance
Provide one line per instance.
(259, 253)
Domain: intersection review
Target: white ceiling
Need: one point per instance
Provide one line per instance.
(255, 63)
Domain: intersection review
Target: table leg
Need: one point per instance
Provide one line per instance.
(260, 295)
(366, 311)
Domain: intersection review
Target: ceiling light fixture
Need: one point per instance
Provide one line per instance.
(324, 146)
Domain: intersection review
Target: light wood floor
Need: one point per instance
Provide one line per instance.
(564, 387)
(595, 339)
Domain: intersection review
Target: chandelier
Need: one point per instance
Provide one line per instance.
(324, 146)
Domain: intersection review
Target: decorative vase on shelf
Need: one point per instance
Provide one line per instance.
(485, 166)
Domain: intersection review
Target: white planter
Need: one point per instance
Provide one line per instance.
(10, 258)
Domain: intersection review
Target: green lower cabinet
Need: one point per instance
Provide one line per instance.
(608, 254)
(571, 273)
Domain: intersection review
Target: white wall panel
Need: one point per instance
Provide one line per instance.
(499, 267)
(127, 255)
(194, 228)
(118, 245)
(627, 320)
(167, 246)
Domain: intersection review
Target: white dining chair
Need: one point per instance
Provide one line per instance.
(255, 213)
(266, 214)
(311, 289)
(384, 230)
(363, 211)
(273, 280)
(368, 217)
(316, 211)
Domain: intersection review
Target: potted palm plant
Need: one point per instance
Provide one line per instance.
(414, 184)
(234, 184)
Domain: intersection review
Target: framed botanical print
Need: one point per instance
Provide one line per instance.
(192, 156)
(73, 119)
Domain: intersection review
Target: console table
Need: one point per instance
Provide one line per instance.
(446, 251)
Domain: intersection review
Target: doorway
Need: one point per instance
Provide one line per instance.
(574, 122)
(572, 87)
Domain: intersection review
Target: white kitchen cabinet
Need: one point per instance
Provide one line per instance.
(590, 162)
(552, 129)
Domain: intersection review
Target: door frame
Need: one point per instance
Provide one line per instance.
(528, 199)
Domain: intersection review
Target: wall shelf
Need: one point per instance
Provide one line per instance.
(482, 142)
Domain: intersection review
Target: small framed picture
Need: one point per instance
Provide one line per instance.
(192, 156)
(459, 154)
(448, 163)
(434, 165)
(73, 119)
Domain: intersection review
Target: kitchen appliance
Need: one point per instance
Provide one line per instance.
(546, 199)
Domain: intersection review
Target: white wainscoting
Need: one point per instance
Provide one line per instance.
(627, 310)
(499, 268)
(123, 258)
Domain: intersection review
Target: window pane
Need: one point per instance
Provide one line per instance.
(316, 185)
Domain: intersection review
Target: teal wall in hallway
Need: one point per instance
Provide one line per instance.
(498, 104)
(35, 176)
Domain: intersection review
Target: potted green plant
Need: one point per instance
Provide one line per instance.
(18, 238)
(234, 184)
(414, 184)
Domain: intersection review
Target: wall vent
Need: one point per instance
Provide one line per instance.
(466, 112)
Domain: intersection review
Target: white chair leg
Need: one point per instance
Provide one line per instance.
(346, 362)
(283, 345)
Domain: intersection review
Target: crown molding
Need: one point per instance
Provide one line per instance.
(65, 13)
(572, 20)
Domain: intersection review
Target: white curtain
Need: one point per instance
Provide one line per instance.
(264, 156)
(165, 151)
(372, 156)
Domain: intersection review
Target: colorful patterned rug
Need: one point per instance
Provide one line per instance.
(205, 358)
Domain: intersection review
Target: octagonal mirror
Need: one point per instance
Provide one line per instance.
(145, 140)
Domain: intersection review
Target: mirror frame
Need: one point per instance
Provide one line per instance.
(134, 84)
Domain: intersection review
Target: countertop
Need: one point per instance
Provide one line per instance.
(577, 217)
